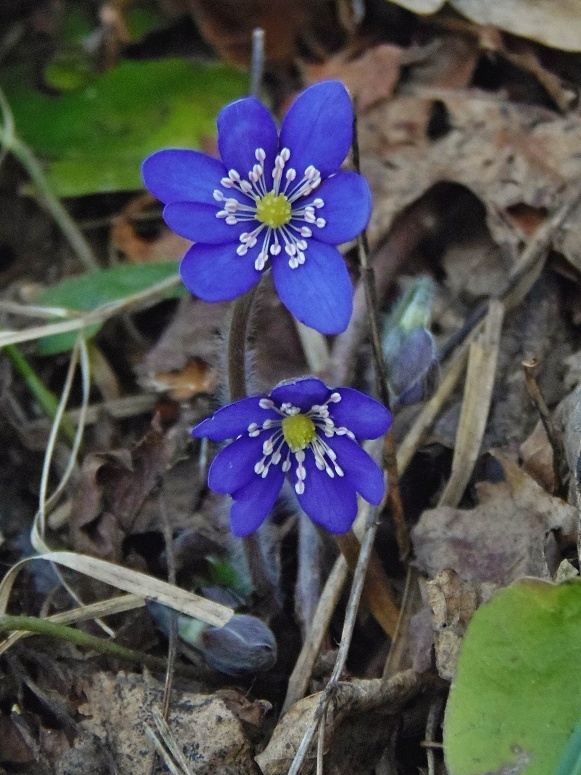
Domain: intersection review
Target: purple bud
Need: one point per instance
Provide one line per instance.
(243, 645)
(412, 364)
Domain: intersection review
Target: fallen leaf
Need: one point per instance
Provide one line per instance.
(453, 603)
(507, 154)
(537, 458)
(115, 488)
(556, 23)
(500, 540)
(167, 246)
(354, 737)
(195, 377)
(370, 77)
(210, 736)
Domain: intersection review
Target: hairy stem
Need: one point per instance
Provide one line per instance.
(84, 640)
(262, 579)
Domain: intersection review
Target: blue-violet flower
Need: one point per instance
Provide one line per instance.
(307, 432)
(271, 201)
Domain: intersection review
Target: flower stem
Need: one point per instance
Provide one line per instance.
(393, 494)
(262, 579)
(46, 399)
(84, 640)
(236, 345)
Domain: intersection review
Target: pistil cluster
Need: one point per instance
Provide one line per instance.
(282, 221)
(295, 432)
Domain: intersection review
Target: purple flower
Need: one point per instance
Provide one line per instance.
(273, 200)
(309, 433)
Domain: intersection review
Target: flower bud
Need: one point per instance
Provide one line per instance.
(244, 645)
(409, 347)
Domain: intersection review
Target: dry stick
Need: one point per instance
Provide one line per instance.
(330, 596)
(377, 590)
(559, 462)
(346, 635)
(393, 494)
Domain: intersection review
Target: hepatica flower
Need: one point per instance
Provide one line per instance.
(307, 432)
(277, 201)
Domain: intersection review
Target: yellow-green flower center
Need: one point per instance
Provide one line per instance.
(273, 209)
(298, 431)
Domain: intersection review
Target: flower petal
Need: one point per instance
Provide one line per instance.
(331, 503)
(244, 126)
(347, 207)
(198, 222)
(217, 273)
(181, 175)
(253, 502)
(319, 292)
(361, 414)
(232, 420)
(233, 466)
(303, 392)
(318, 128)
(360, 469)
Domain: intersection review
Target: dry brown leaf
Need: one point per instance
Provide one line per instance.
(355, 735)
(370, 78)
(507, 154)
(196, 332)
(453, 603)
(115, 487)
(500, 540)
(228, 25)
(118, 708)
(556, 23)
(167, 246)
(537, 458)
(182, 385)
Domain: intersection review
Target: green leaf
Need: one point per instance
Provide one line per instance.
(94, 138)
(571, 761)
(516, 698)
(91, 290)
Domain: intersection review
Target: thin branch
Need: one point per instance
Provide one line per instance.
(393, 494)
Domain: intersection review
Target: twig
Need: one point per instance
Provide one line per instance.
(25, 156)
(534, 391)
(257, 65)
(346, 635)
(173, 621)
(393, 494)
(301, 674)
(377, 590)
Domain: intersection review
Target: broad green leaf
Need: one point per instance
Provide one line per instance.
(516, 698)
(91, 290)
(94, 138)
(571, 761)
